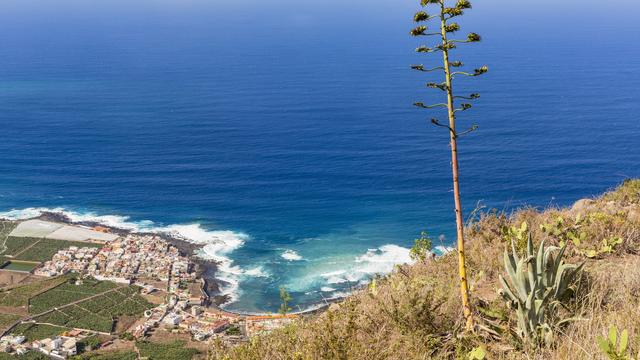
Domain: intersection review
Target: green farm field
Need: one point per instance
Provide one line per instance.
(44, 249)
(19, 296)
(37, 331)
(97, 313)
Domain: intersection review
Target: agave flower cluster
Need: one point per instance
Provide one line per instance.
(446, 28)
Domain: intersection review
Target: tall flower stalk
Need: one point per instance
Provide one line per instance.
(453, 105)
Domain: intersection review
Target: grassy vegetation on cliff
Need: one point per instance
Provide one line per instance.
(415, 312)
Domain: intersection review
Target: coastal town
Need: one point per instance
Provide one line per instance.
(66, 285)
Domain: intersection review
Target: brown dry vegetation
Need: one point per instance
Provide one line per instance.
(415, 312)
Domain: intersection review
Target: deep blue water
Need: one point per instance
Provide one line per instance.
(292, 126)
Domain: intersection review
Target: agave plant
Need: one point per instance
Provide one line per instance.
(537, 284)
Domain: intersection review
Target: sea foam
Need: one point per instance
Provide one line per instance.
(339, 274)
(291, 255)
(374, 261)
(441, 250)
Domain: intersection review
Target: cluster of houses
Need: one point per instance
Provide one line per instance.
(183, 314)
(123, 261)
(74, 258)
(14, 344)
(140, 256)
(57, 347)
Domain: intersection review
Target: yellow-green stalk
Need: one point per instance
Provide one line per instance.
(446, 13)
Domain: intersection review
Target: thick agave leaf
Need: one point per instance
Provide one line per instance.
(541, 291)
(529, 246)
(551, 264)
(508, 293)
(510, 266)
(542, 310)
(530, 331)
(522, 324)
(514, 252)
(563, 278)
(548, 295)
(558, 260)
(540, 259)
(567, 320)
(530, 298)
(531, 272)
(521, 283)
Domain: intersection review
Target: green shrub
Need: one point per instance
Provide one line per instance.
(567, 230)
(421, 247)
(233, 330)
(517, 235)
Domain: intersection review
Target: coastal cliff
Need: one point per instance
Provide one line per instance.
(415, 313)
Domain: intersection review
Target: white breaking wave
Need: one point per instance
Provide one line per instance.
(441, 250)
(335, 277)
(375, 261)
(116, 221)
(217, 244)
(343, 272)
(383, 259)
(256, 272)
(338, 295)
(291, 255)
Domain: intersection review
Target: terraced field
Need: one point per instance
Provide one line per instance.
(38, 331)
(98, 313)
(19, 296)
(105, 302)
(68, 292)
(8, 319)
(165, 351)
(14, 245)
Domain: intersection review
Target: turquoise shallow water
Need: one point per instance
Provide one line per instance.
(293, 151)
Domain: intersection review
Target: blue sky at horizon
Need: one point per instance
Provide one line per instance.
(32, 26)
(354, 15)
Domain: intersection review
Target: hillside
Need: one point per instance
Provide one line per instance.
(415, 312)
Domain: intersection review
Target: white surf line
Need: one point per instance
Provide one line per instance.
(214, 244)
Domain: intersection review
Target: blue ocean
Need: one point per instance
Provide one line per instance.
(281, 135)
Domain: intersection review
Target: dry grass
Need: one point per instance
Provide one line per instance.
(415, 312)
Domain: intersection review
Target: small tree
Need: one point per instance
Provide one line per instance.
(285, 298)
(453, 105)
(421, 248)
